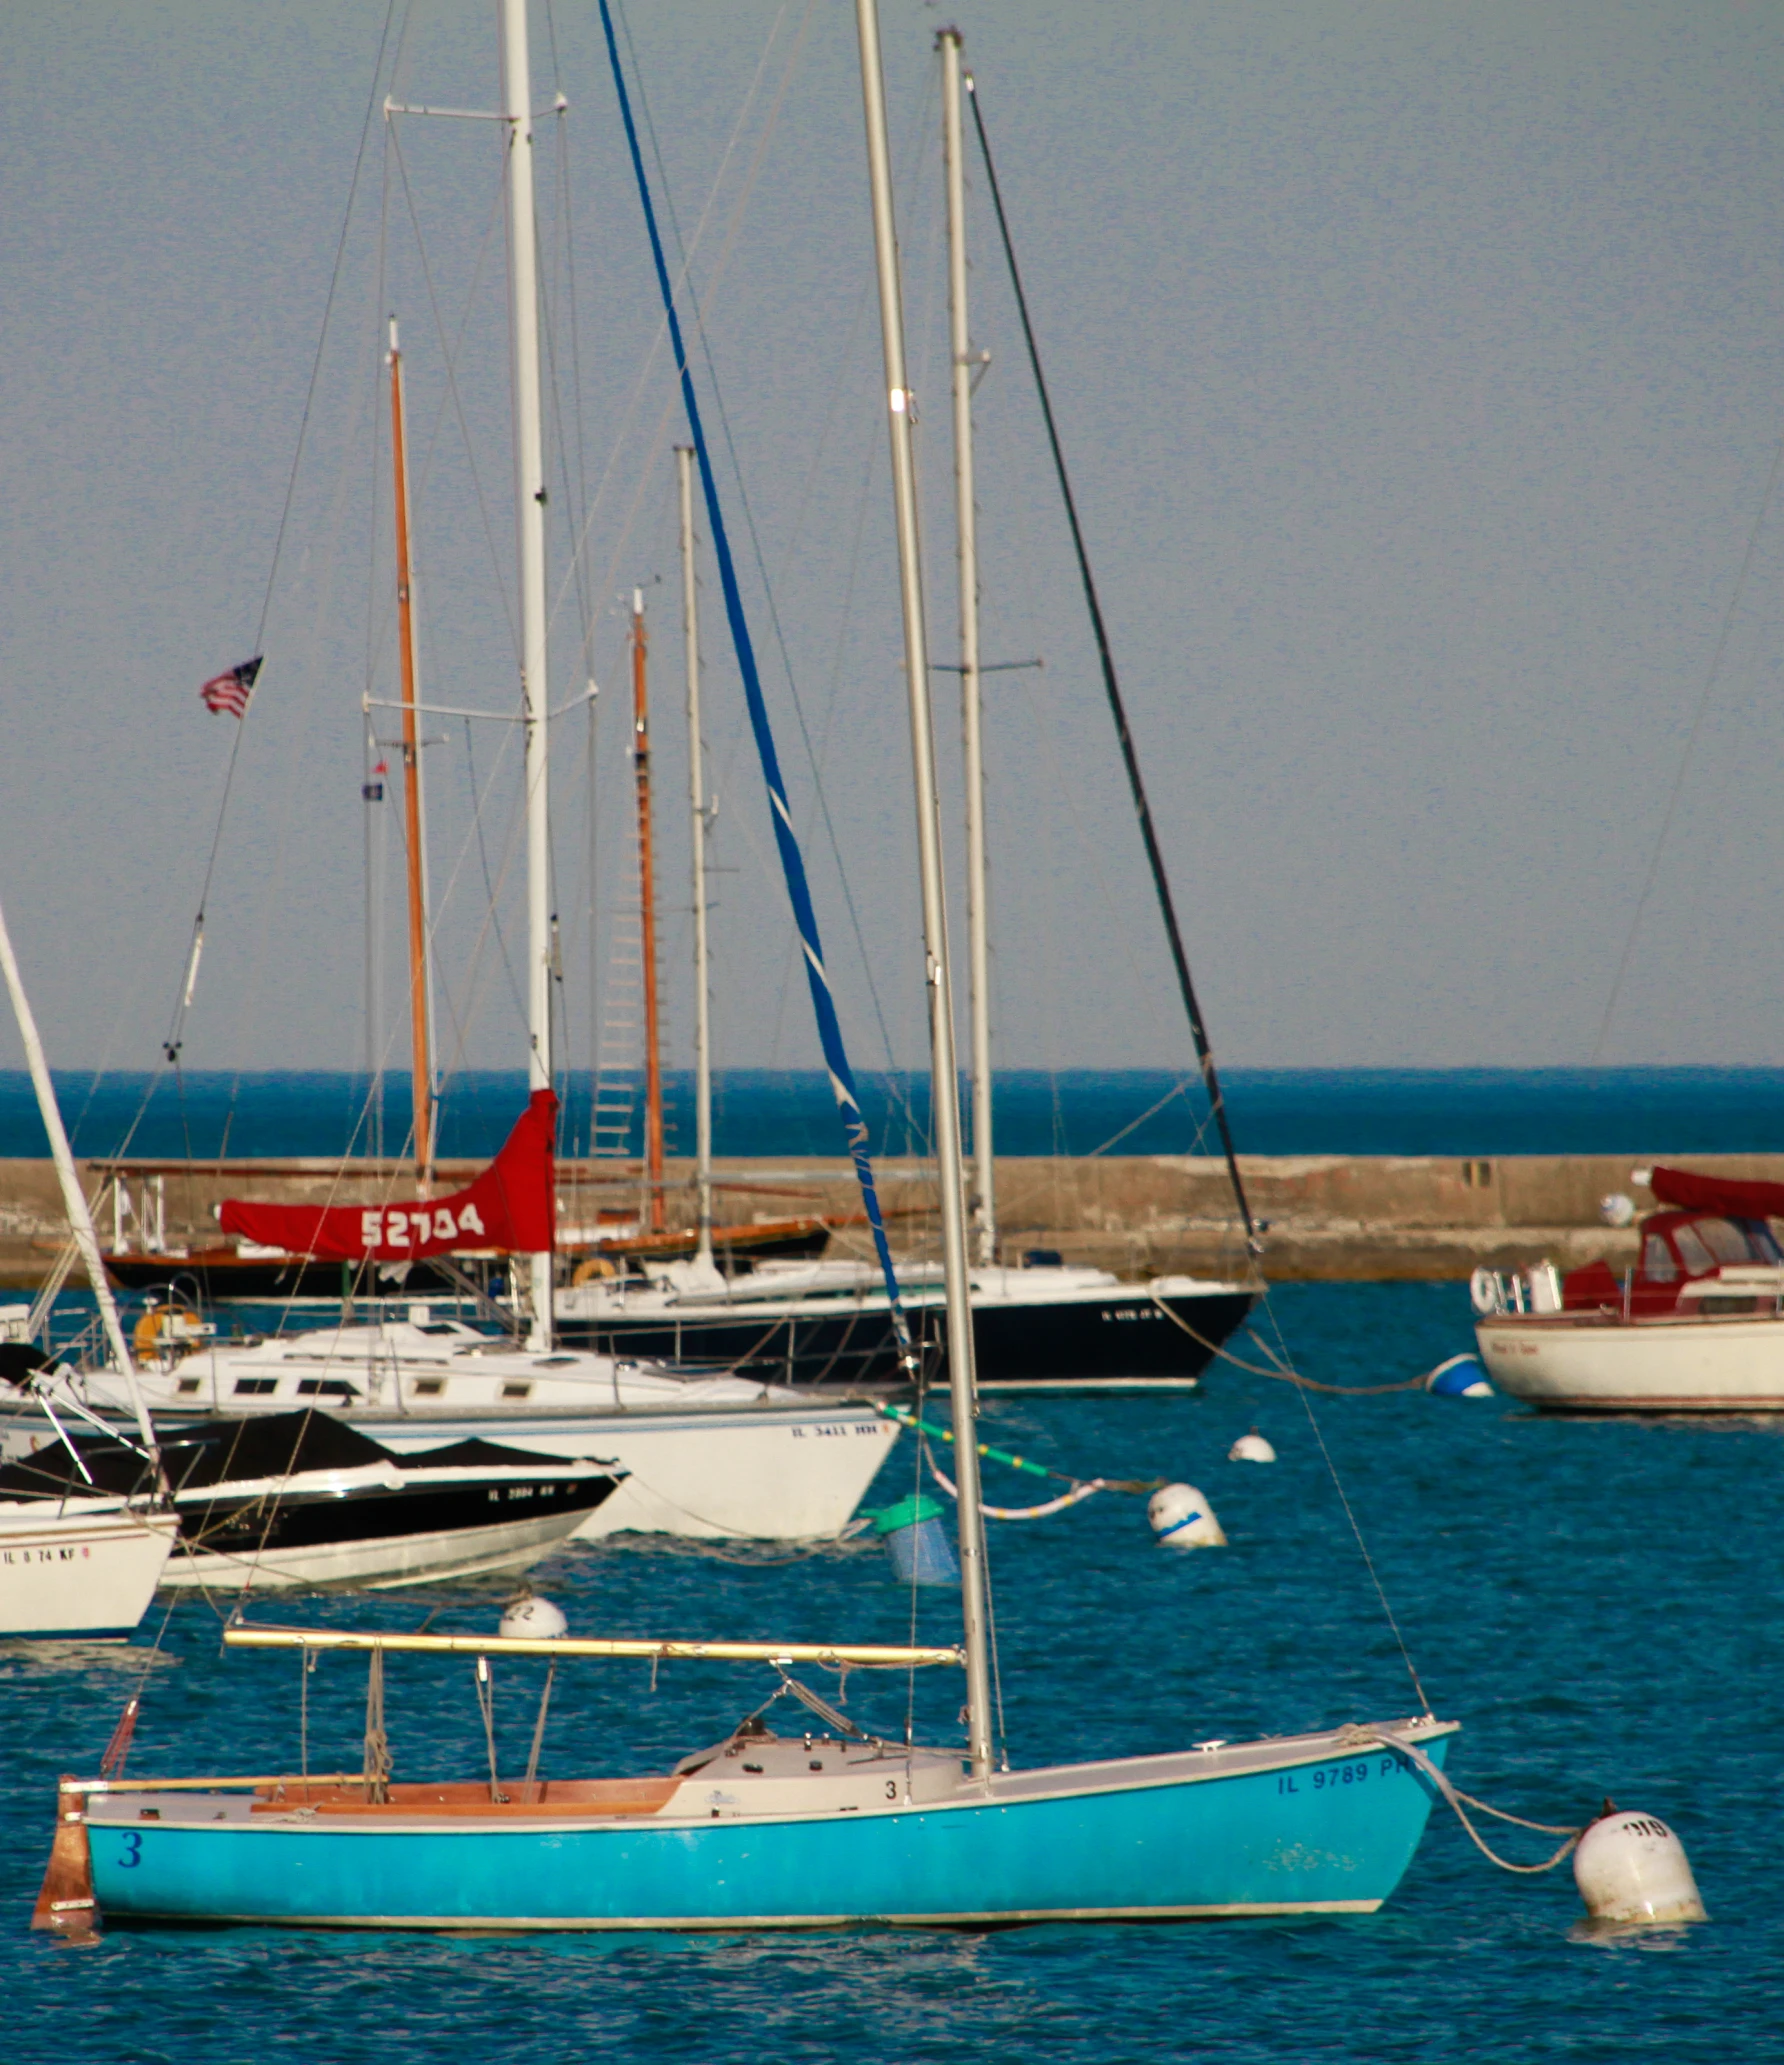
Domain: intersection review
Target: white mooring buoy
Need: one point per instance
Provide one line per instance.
(1251, 1448)
(1183, 1519)
(536, 1619)
(1632, 1868)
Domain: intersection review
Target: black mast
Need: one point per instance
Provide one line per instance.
(1117, 709)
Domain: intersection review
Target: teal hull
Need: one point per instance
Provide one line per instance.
(1292, 1826)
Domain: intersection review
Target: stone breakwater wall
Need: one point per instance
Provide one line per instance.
(1330, 1217)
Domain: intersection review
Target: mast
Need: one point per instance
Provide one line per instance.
(529, 508)
(647, 920)
(74, 1202)
(944, 1085)
(421, 1058)
(690, 620)
(1130, 759)
(983, 1172)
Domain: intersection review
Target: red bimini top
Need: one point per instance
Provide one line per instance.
(1719, 1224)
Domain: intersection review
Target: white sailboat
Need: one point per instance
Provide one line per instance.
(86, 1566)
(704, 1454)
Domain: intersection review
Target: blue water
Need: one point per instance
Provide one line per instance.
(1598, 1604)
(761, 1112)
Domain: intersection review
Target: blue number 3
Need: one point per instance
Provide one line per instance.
(132, 1856)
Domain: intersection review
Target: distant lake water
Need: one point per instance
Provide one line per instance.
(767, 1113)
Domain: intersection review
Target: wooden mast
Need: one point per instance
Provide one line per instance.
(421, 1063)
(647, 901)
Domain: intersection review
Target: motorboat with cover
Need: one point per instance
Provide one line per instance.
(705, 1453)
(828, 1323)
(296, 1499)
(1697, 1325)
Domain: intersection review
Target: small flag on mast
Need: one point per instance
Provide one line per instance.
(231, 691)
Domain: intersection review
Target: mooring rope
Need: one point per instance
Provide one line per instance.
(1283, 1374)
(1455, 1796)
(1058, 1505)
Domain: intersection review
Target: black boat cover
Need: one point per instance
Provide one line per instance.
(267, 1445)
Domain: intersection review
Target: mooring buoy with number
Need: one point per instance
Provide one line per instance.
(533, 1618)
(1632, 1868)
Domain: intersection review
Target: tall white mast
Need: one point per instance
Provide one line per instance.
(690, 620)
(978, 945)
(945, 1089)
(74, 1201)
(529, 507)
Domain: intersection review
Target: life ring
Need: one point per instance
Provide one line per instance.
(1483, 1289)
(595, 1269)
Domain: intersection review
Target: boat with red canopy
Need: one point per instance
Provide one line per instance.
(1696, 1325)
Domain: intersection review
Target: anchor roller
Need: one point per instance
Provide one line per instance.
(1183, 1519)
(1632, 1868)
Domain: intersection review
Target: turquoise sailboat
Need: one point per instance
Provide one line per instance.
(832, 1826)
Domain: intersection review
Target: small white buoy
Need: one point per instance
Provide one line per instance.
(1181, 1517)
(1618, 1209)
(1251, 1448)
(536, 1619)
(1632, 1868)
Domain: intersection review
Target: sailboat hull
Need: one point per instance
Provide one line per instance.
(1309, 1825)
(1113, 1337)
(92, 1575)
(1588, 1363)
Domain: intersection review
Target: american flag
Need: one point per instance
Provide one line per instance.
(231, 691)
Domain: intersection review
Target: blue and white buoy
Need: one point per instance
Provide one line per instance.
(1460, 1377)
(1182, 1519)
(917, 1541)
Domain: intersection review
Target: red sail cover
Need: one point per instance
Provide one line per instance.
(510, 1207)
(1692, 1193)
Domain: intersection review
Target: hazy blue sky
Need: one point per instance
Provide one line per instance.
(1421, 371)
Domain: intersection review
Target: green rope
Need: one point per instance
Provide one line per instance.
(906, 1418)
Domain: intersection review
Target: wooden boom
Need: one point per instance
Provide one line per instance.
(867, 1655)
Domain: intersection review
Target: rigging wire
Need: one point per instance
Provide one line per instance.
(1112, 689)
(1678, 787)
(749, 516)
(184, 995)
(792, 861)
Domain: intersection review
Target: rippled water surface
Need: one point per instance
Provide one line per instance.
(1599, 1605)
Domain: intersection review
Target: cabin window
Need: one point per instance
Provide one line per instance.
(1759, 1235)
(1724, 1239)
(255, 1387)
(514, 1390)
(191, 1386)
(555, 1362)
(438, 1326)
(427, 1387)
(326, 1387)
(1696, 1257)
(1658, 1265)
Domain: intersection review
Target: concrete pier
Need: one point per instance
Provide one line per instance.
(1329, 1217)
